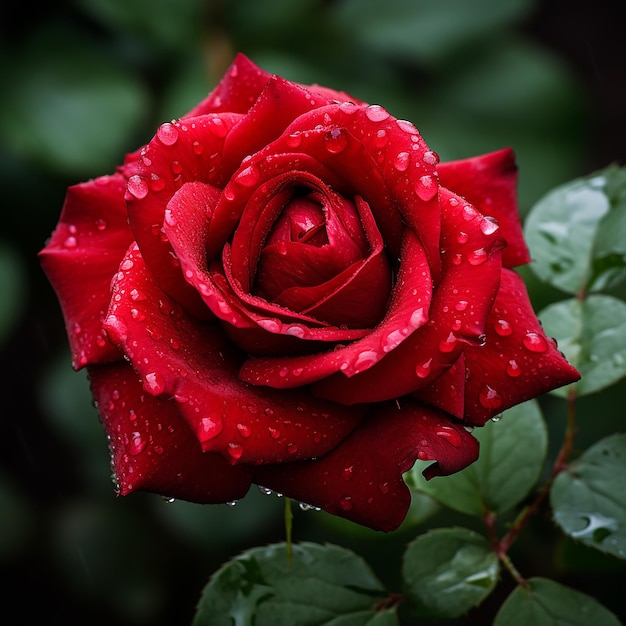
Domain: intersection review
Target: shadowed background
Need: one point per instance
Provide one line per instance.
(83, 83)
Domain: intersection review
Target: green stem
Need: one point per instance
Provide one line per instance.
(288, 529)
(502, 546)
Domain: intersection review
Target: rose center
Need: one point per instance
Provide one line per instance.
(313, 240)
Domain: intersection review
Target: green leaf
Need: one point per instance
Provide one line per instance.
(423, 30)
(72, 109)
(169, 24)
(320, 585)
(448, 571)
(577, 233)
(588, 497)
(512, 454)
(592, 335)
(547, 603)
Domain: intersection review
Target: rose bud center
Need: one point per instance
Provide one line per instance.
(314, 249)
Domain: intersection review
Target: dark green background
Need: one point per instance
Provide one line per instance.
(84, 82)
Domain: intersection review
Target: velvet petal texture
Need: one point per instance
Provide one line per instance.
(83, 253)
(194, 364)
(518, 360)
(489, 182)
(153, 449)
(361, 479)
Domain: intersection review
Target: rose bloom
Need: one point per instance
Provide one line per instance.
(285, 287)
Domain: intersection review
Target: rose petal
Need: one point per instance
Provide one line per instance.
(357, 296)
(489, 182)
(447, 392)
(407, 311)
(179, 152)
(251, 318)
(196, 365)
(359, 483)
(80, 258)
(517, 362)
(237, 91)
(280, 102)
(153, 449)
(382, 159)
(457, 317)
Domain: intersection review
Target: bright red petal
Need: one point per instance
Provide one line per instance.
(407, 312)
(153, 449)
(181, 151)
(195, 364)
(471, 251)
(359, 483)
(489, 182)
(236, 92)
(517, 362)
(80, 259)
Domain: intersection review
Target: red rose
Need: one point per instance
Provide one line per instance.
(286, 288)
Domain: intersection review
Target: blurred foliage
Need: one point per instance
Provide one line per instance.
(86, 81)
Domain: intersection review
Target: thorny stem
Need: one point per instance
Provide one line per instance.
(502, 546)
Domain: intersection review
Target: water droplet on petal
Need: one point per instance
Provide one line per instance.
(244, 430)
(449, 434)
(469, 213)
(345, 502)
(294, 140)
(406, 126)
(235, 450)
(249, 176)
(430, 158)
(137, 186)
(426, 187)
(210, 427)
(167, 134)
(423, 370)
(383, 487)
(335, 141)
(136, 444)
(274, 432)
(462, 237)
(448, 344)
(154, 383)
(477, 257)
(269, 325)
(461, 305)
(503, 328)
(347, 472)
(381, 138)
(513, 369)
(489, 398)
(292, 448)
(489, 225)
(402, 160)
(376, 113)
(535, 342)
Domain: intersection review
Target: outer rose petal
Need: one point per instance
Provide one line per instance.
(153, 449)
(195, 364)
(237, 90)
(361, 479)
(489, 182)
(518, 360)
(82, 255)
(180, 151)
